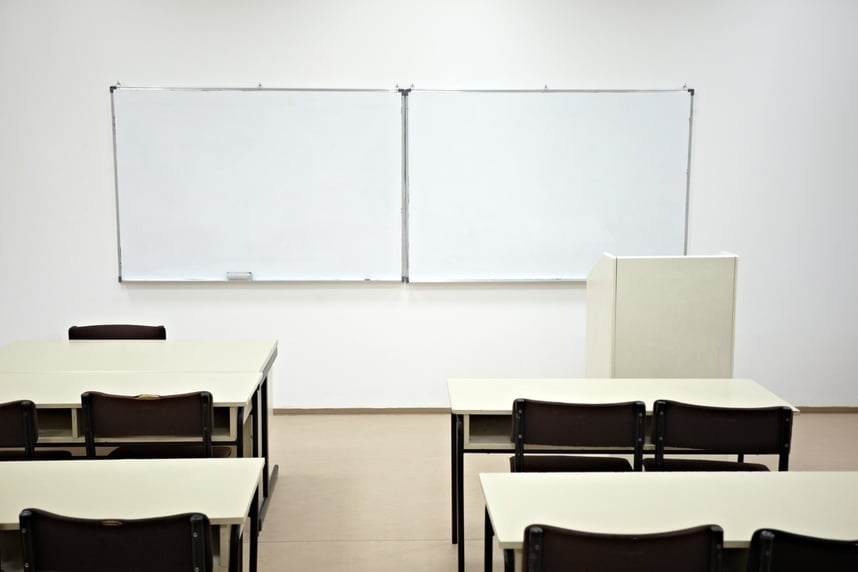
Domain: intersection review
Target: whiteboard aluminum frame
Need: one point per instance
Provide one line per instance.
(405, 204)
(259, 88)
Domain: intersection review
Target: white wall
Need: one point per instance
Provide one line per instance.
(774, 176)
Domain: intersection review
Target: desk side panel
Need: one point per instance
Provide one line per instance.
(674, 317)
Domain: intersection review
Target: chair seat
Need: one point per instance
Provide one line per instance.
(571, 464)
(703, 465)
(166, 452)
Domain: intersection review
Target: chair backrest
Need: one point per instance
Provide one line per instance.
(175, 543)
(609, 427)
(185, 418)
(780, 551)
(117, 332)
(19, 428)
(550, 549)
(729, 430)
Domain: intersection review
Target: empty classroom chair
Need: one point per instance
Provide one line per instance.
(780, 551)
(150, 426)
(609, 427)
(56, 543)
(554, 549)
(718, 430)
(117, 332)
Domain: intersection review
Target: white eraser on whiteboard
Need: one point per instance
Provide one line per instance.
(239, 275)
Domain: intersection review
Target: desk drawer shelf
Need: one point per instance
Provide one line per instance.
(224, 424)
(488, 432)
(57, 425)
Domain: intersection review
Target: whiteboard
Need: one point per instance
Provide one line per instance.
(512, 185)
(277, 184)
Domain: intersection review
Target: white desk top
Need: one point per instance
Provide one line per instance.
(495, 396)
(62, 389)
(138, 355)
(815, 503)
(222, 489)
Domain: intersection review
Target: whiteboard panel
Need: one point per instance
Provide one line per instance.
(537, 185)
(284, 184)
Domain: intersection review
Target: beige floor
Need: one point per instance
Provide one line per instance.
(372, 491)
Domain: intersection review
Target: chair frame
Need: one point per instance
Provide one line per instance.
(117, 332)
(534, 547)
(94, 535)
(764, 543)
(713, 431)
(169, 434)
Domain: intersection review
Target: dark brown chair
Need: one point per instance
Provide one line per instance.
(160, 426)
(117, 332)
(604, 427)
(19, 432)
(611, 427)
(779, 551)
(56, 543)
(554, 549)
(697, 429)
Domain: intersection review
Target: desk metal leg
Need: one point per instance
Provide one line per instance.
(254, 427)
(262, 398)
(236, 558)
(460, 487)
(254, 451)
(239, 430)
(268, 478)
(488, 536)
(254, 532)
(509, 560)
(453, 467)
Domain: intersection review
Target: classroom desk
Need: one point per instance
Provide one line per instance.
(481, 413)
(225, 490)
(814, 503)
(168, 356)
